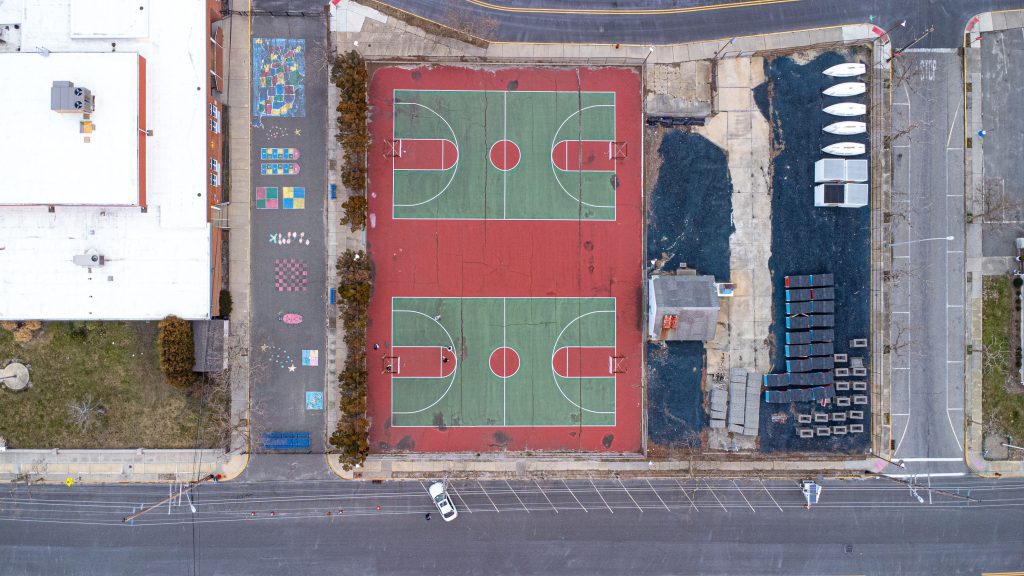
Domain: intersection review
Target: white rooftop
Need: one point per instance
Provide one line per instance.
(48, 160)
(156, 262)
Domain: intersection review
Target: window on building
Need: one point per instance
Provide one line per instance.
(214, 111)
(215, 125)
(214, 179)
(215, 165)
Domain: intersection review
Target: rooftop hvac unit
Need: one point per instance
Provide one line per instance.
(91, 259)
(66, 97)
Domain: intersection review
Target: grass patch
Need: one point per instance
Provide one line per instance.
(1003, 410)
(110, 371)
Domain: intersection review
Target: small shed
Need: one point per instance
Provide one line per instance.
(208, 338)
(840, 170)
(841, 195)
(682, 307)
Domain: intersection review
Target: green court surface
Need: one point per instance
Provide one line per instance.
(528, 185)
(502, 362)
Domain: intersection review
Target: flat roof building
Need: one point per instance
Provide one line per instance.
(110, 160)
(683, 307)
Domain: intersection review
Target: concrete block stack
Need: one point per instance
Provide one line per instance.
(744, 402)
(719, 401)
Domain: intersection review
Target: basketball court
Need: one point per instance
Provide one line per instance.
(505, 223)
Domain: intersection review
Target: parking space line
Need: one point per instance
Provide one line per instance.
(770, 495)
(545, 495)
(658, 495)
(680, 484)
(456, 492)
(715, 495)
(630, 495)
(488, 496)
(601, 496)
(573, 494)
(517, 496)
(740, 490)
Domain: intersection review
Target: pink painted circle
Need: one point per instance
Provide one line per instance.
(504, 362)
(505, 155)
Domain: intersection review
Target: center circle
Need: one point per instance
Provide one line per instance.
(505, 155)
(504, 362)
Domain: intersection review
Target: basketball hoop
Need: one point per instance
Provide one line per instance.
(391, 365)
(617, 150)
(616, 364)
(392, 148)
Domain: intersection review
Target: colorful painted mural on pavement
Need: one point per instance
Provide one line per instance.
(291, 275)
(286, 197)
(279, 73)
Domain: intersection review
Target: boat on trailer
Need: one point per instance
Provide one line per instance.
(846, 70)
(846, 127)
(845, 89)
(844, 149)
(846, 109)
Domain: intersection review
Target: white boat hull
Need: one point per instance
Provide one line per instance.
(846, 128)
(844, 149)
(846, 109)
(846, 70)
(845, 89)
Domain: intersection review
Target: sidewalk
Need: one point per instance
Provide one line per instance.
(978, 266)
(669, 68)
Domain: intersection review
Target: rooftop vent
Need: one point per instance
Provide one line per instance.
(91, 259)
(66, 97)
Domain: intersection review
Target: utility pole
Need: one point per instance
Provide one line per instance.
(913, 488)
(915, 41)
(183, 491)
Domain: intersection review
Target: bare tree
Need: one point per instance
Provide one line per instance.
(993, 203)
(85, 412)
(460, 17)
(900, 339)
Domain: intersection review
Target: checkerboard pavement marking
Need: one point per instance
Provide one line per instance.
(291, 275)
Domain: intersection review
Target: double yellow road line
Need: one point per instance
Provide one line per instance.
(627, 12)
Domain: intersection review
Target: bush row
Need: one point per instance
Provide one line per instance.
(349, 74)
(351, 437)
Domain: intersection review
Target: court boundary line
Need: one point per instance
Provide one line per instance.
(613, 207)
(611, 374)
(554, 376)
(393, 169)
(551, 161)
(615, 160)
(454, 169)
(399, 373)
(455, 369)
(614, 346)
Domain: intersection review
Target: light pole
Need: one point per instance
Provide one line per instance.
(714, 72)
(891, 244)
(650, 50)
(915, 41)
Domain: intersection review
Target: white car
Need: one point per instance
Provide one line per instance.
(443, 502)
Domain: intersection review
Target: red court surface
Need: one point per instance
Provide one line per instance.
(425, 154)
(510, 258)
(590, 362)
(586, 155)
(420, 362)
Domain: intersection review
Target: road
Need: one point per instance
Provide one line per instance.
(637, 527)
(623, 22)
(927, 300)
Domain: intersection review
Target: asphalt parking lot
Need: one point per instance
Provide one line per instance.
(1002, 67)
